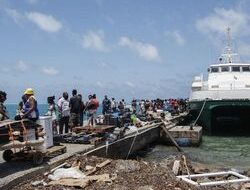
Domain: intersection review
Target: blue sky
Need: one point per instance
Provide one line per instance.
(125, 49)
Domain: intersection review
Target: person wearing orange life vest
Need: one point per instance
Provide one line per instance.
(30, 111)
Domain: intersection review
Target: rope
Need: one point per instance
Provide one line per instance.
(132, 144)
(25, 133)
(191, 127)
(10, 132)
(185, 164)
(107, 146)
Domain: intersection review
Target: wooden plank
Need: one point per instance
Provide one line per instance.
(10, 122)
(81, 182)
(163, 126)
(98, 166)
(56, 150)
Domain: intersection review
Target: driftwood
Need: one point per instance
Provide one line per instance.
(185, 164)
(98, 166)
(163, 126)
(81, 182)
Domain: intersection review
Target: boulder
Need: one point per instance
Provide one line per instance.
(127, 166)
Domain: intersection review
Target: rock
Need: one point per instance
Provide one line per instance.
(245, 186)
(38, 183)
(199, 169)
(127, 166)
(120, 187)
(248, 173)
(237, 170)
(176, 167)
(146, 187)
(87, 168)
(235, 185)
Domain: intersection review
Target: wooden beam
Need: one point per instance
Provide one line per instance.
(163, 126)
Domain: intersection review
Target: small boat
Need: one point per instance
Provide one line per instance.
(221, 104)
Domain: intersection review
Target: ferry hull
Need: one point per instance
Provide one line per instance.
(222, 117)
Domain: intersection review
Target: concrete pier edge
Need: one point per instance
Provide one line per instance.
(7, 182)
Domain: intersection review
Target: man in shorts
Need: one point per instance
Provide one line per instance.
(75, 106)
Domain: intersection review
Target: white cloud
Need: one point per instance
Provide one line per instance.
(94, 40)
(32, 1)
(21, 66)
(100, 84)
(50, 71)
(244, 49)
(15, 15)
(103, 65)
(130, 84)
(217, 22)
(145, 50)
(178, 38)
(45, 22)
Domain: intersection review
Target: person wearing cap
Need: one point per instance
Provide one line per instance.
(30, 111)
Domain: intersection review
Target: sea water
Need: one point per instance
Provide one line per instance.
(43, 109)
(219, 152)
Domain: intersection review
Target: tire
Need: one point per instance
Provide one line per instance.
(37, 158)
(8, 155)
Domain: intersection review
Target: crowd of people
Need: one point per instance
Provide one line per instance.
(67, 113)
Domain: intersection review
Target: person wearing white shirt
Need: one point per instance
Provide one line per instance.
(64, 113)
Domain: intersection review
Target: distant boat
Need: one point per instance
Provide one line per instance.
(221, 104)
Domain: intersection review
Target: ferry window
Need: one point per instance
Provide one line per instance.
(214, 69)
(236, 69)
(215, 86)
(224, 69)
(246, 69)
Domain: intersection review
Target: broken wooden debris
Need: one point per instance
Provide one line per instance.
(98, 166)
(70, 182)
(163, 126)
(83, 180)
(52, 170)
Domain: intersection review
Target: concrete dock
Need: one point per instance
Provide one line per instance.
(12, 173)
(185, 136)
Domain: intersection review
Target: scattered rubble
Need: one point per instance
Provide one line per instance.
(106, 174)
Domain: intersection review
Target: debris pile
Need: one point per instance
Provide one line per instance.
(101, 173)
(93, 172)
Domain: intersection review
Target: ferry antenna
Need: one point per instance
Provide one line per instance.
(229, 42)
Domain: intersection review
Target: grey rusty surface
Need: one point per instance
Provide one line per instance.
(131, 143)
